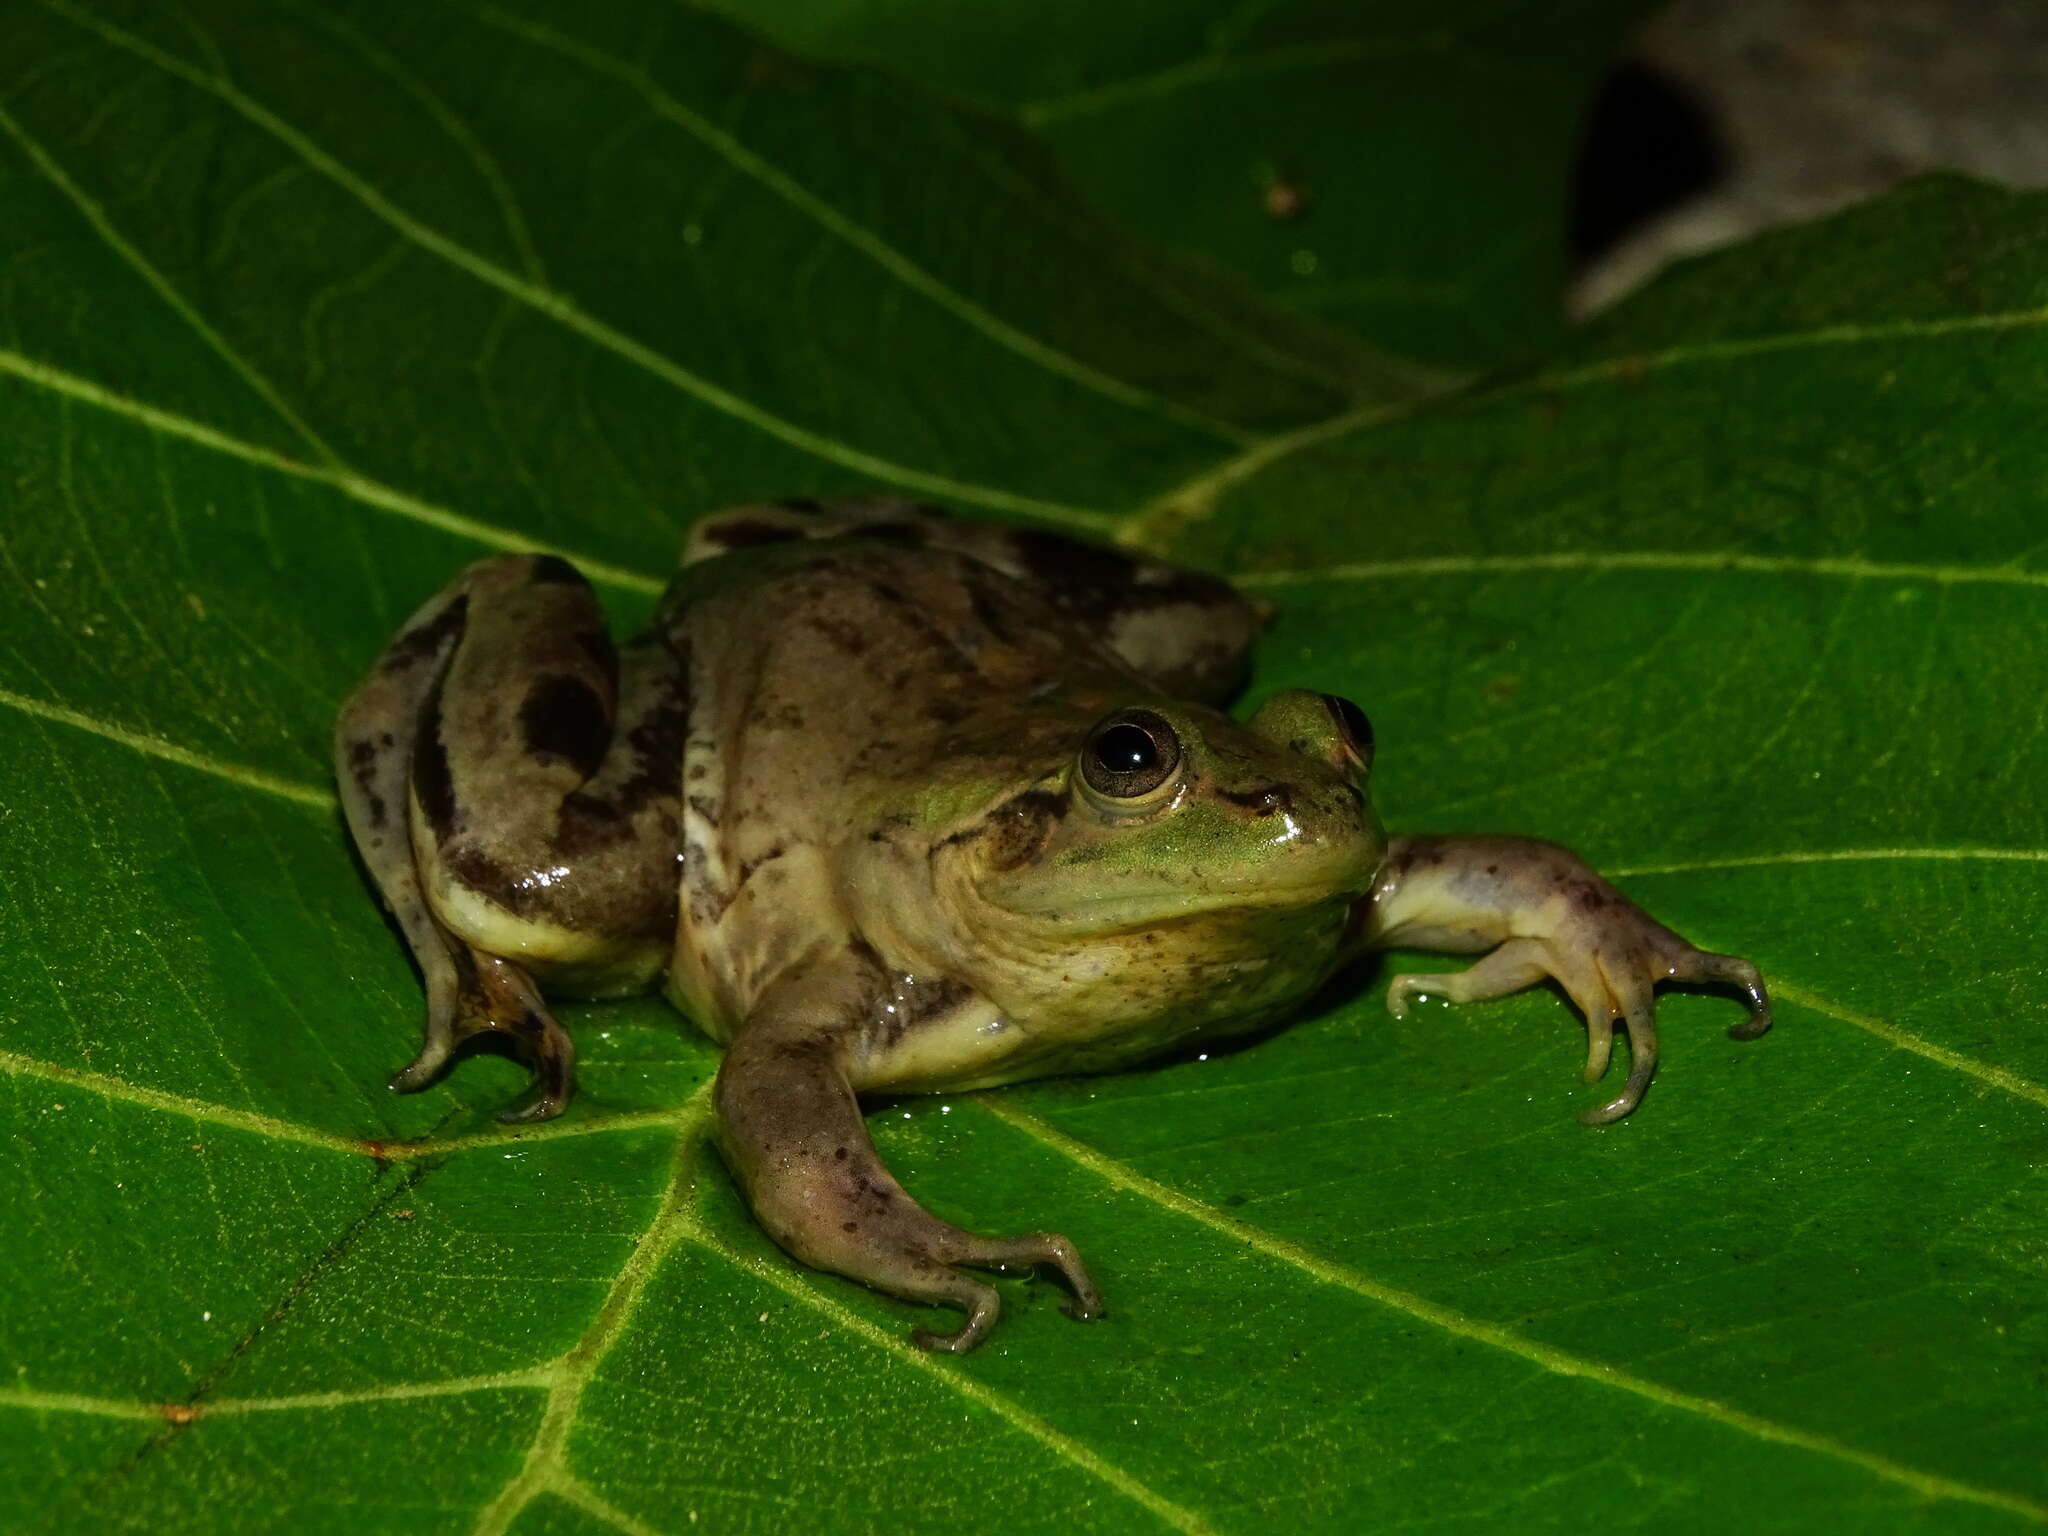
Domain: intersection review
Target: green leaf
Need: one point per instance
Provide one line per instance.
(1396, 168)
(300, 310)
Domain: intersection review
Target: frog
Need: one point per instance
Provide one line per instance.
(891, 801)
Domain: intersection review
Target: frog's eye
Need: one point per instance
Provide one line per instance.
(1357, 729)
(1129, 755)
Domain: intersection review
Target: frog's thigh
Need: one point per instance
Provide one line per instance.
(462, 759)
(544, 785)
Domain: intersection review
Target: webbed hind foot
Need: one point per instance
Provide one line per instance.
(483, 995)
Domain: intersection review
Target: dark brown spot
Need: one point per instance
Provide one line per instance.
(847, 637)
(902, 535)
(553, 570)
(743, 535)
(840, 1154)
(1266, 800)
(953, 652)
(706, 808)
(597, 645)
(564, 717)
(991, 610)
(588, 825)
(362, 767)
(1099, 585)
(485, 875)
(1018, 829)
(432, 781)
(426, 641)
(747, 869)
(929, 999)
(656, 743)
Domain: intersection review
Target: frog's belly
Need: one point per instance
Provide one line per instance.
(977, 1047)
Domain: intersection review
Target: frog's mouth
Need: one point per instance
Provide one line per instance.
(1165, 901)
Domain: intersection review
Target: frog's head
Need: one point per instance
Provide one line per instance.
(1168, 810)
(1175, 853)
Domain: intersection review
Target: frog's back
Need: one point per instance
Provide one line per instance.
(1187, 632)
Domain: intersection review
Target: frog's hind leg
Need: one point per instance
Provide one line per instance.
(467, 762)
(1189, 632)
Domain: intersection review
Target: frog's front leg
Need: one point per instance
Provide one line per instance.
(791, 1130)
(1543, 912)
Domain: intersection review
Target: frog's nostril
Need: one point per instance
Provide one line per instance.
(1356, 727)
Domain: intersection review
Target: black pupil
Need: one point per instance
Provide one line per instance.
(1126, 749)
(1352, 718)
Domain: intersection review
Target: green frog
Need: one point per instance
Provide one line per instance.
(890, 801)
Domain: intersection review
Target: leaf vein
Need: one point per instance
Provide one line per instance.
(351, 484)
(1850, 567)
(96, 217)
(568, 314)
(1153, 525)
(842, 227)
(1548, 1357)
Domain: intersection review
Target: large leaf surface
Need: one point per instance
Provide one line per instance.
(1742, 597)
(1397, 168)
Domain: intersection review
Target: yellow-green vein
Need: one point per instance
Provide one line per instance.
(472, 148)
(1153, 525)
(566, 312)
(316, 796)
(356, 487)
(14, 1064)
(1834, 856)
(826, 216)
(778, 1273)
(546, 1461)
(1906, 1040)
(32, 1400)
(1849, 567)
(1560, 1362)
(95, 216)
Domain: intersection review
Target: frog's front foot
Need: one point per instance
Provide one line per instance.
(1612, 976)
(1551, 916)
